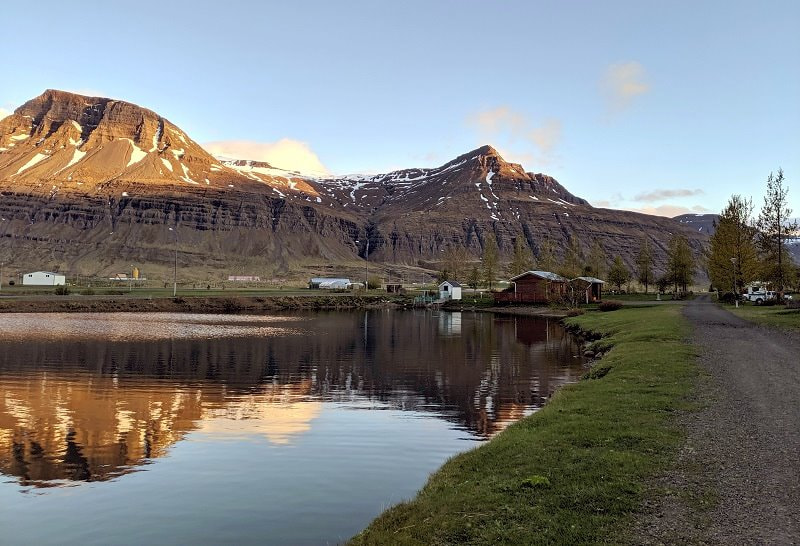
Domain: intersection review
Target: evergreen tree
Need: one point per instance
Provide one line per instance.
(491, 255)
(546, 260)
(474, 277)
(522, 260)
(733, 257)
(571, 265)
(596, 266)
(455, 261)
(618, 274)
(644, 264)
(680, 263)
(774, 226)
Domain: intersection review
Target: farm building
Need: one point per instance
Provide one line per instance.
(317, 282)
(43, 278)
(534, 287)
(450, 290)
(587, 289)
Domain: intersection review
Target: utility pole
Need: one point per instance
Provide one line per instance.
(366, 267)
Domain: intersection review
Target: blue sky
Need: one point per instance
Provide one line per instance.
(658, 106)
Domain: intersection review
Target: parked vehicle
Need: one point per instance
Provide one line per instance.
(758, 294)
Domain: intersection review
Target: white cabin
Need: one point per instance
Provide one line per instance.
(43, 278)
(450, 290)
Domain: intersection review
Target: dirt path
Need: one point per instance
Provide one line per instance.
(738, 478)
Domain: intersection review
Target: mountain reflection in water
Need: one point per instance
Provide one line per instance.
(93, 397)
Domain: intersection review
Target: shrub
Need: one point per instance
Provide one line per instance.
(574, 312)
(374, 282)
(793, 304)
(610, 305)
(62, 290)
(728, 297)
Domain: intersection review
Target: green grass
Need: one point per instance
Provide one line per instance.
(770, 315)
(574, 472)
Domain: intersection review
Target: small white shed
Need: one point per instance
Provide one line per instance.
(450, 290)
(43, 278)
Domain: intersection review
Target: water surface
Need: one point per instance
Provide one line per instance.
(286, 429)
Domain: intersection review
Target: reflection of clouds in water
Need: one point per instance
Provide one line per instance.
(280, 413)
(139, 326)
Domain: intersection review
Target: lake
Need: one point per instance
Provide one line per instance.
(294, 428)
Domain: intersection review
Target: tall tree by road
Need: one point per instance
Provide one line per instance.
(644, 264)
(774, 226)
(733, 257)
(571, 265)
(546, 260)
(455, 262)
(680, 263)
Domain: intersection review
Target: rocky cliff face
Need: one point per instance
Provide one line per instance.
(93, 185)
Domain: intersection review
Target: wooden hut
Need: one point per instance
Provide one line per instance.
(587, 289)
(534, 287)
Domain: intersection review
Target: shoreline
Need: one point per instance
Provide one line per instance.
(233, 304)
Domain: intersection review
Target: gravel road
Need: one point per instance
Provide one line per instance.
(738, 475)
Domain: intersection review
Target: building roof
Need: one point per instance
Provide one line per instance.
(546, 275)
(454, 284)
(328, 279)
(591, 280)
(44, 272)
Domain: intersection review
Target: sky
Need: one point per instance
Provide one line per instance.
(661, 107)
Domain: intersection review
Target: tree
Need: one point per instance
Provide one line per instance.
(618, 274)
(571, 265)
(546, 260)
(474, 277)
(491, 255)
(733, 257)
(596, 263)
(522, 260)
(774, 226)
(455, 262)
(680, 263)
(443, 275)
(644, 264)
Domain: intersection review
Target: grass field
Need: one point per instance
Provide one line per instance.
(574, 472)
(771, 315)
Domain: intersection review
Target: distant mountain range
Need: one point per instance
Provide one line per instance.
(93, 186)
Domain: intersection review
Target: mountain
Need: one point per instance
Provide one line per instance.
(703, 223)
(93, 185)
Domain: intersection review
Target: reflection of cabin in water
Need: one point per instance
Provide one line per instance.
(587, 289)
(534, 287)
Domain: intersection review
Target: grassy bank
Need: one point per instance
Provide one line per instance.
(770, 315)
(574, 472)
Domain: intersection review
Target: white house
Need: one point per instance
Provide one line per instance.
(43, 278)
(449, 290)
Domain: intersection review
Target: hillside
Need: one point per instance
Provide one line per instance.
(93, 185)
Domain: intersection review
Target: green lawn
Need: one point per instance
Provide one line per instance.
(574, 472)
(771, 315)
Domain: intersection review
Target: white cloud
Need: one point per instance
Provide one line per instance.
(670, 210)
(662, 195)
(519, 139)
(286, 153)
(622, 83)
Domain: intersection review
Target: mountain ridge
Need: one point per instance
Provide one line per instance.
(93, 183)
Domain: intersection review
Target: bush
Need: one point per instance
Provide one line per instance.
(374, 282)
(728, 297)
(62, 290)
(575, 312)
(610, 305)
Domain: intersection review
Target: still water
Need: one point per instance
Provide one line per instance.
(286, 429)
